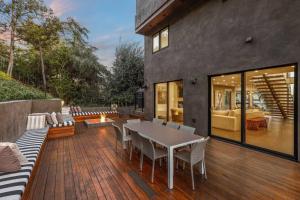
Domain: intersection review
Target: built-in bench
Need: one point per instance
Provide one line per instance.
(62, 130)
(16, 185)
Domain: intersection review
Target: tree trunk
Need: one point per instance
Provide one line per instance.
(12, 40)
(43, 71)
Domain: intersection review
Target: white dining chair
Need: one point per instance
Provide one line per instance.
(158, 121)
(130, 121)
(187, 129)
(196, 155)
(136, 143)
(118, 135)
(149, 150)
(172, 125)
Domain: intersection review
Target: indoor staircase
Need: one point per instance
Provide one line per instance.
(276, 94)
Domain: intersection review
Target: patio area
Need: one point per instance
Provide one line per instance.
(86, 166)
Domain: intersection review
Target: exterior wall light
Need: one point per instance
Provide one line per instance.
(249, 39)
(194, 81)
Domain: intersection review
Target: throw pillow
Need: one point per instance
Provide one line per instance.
(79, 109)
(36, 122)
(14, 147)
(53, 117)
(11, 163)
(59, 118)
(49, 119)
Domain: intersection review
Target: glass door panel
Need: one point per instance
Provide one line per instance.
(226, 106)
(176, 102)
(269, 116)
(161, 90)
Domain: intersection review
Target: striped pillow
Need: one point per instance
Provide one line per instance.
(49, 119)
(36, 122)
(59, 118)
(14, 147)
(8, 160)
(54, 119)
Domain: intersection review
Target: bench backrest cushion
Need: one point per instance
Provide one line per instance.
(59, 118)
(36, 122)
(9, 161)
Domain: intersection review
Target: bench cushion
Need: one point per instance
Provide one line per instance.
(12, 185)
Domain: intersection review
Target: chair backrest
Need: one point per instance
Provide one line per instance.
(131, 121)
(136, 140)
(118, 132)
(187, 129)
(198, 151)
(172, 125)
(158, 121)
(148, 148)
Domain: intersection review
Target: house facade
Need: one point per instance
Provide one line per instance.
(229, 68)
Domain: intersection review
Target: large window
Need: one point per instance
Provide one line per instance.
(169, 101)
(256, 108)
(160, 40)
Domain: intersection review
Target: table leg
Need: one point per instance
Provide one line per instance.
(170, 167)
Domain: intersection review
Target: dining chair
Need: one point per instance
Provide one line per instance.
(130, 121)
(187, 129)
(119, 135)
(158, 121)
(172, 125)
(149, 150)
(196, 155)
(136, 142)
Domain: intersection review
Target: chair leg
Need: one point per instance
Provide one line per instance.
(177, 163)
(192, 174)
(152, 174)
(183, 166)
(204, 166)
(141, 161)
(160, 162)
(130, 154)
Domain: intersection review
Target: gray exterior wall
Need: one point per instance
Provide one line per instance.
(13, 116)
(210, 39)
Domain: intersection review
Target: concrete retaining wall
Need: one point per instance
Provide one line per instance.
(13, 116)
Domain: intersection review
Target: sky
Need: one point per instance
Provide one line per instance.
(109, 22)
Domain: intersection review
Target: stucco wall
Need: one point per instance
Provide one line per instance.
(13, 116)
(210, 39)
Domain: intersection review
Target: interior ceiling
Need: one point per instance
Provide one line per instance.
(233, 80)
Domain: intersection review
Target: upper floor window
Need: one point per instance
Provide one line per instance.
(160, 40)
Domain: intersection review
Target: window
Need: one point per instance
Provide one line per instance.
(160, 40)
(169, 101)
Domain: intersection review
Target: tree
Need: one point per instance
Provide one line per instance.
(128, 73)
(15, 13)
(42, 35)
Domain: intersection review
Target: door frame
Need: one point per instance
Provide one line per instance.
(242, 141)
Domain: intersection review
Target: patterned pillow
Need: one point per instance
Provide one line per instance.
(11, 163)
(14, 147)
(36, 122)
(79, 109)
(53, 117)
(59, 118)
(49, 119)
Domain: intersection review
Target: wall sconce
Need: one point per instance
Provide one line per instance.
(194, 81)
(249, 39)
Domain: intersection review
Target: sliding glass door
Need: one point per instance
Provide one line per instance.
(169, 101)
(226, 106)
(256, 108)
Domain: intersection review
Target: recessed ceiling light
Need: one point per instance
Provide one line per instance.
(256, 71)
(223, 80)
(266, 73)
(222, 76)
(292, 66)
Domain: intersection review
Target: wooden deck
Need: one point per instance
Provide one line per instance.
(86, 166)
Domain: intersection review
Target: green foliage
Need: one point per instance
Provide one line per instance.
(11, 89)
(128, 72)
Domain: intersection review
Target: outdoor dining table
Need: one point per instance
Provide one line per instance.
(168, 137)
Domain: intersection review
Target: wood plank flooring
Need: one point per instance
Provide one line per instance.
(86, 166)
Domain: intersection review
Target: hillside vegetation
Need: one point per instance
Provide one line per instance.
(11, 89)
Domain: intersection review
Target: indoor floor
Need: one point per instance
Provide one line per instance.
(279, 136)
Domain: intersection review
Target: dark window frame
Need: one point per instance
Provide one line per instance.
(242, 142)
(159, 39)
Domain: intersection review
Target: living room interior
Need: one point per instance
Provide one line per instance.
(268, 103)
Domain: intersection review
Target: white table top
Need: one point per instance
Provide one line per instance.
(165, 136)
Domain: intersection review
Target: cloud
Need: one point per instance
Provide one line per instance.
(60, 7)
